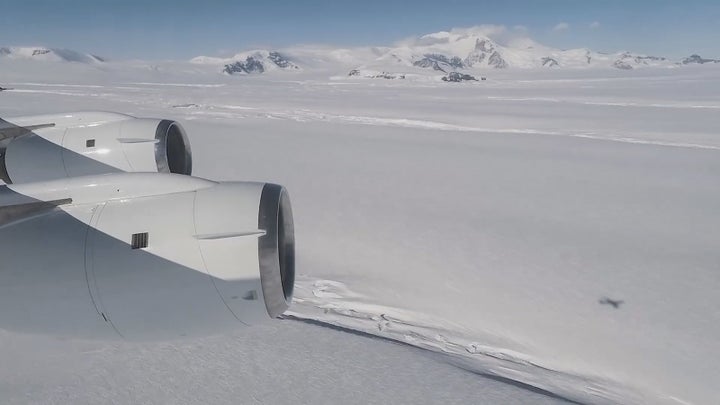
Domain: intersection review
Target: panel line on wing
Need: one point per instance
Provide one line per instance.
(227, 235)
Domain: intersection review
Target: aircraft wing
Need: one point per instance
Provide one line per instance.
(104, 233)
(9, 130)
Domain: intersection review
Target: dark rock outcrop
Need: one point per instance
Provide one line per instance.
(456, 77)
(625, 61)
(281, 61)
(439, 62)
(383, 75)
(259, 64)
(643, 60)
(549, 62)
(620, 64)
(697, 59)
(250, 65)
(387, 75)
(496, 61)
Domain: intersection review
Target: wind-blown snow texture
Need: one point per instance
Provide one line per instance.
(557, 228)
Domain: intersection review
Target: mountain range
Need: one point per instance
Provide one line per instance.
(465, 50)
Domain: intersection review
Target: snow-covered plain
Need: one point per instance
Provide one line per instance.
(488, 223)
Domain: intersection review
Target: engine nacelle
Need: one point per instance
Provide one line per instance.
(82, 144)
(145, 256)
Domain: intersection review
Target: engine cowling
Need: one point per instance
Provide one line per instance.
(95, 143)
(146, 256)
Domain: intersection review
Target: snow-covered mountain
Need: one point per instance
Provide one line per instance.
(252, 62)
(492, 47)
(461, 49)
(697, 59)
(430, 56)
(48, 54)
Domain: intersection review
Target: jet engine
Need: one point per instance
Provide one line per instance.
(103, 233)
(144, 255)
(82, 144)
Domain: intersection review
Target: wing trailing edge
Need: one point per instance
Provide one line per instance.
(12, 214)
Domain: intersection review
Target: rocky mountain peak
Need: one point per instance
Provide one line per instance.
(260, 62)
(496, 60)
(439, 62)
(485, 51)
(281, 61)
(484, 45)
(249, 65)
(697, 59)
(549, 62)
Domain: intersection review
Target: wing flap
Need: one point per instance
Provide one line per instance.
(13, 214)
(9, 130)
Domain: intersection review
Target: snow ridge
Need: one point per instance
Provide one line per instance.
(48, 54)
(332, 303)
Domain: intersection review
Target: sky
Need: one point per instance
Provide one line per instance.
(182, 29)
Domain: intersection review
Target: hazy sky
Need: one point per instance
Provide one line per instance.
(181, 29)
